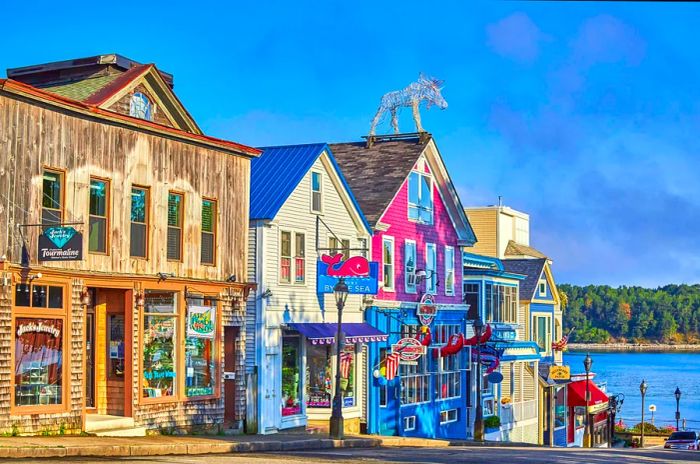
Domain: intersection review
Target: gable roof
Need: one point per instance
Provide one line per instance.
(277, 172)
(386, 163)
(516, 249)
(531, 269)
(377, 172)
(57, 101)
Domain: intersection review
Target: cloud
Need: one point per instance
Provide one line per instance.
(606, 39)
(516, 37)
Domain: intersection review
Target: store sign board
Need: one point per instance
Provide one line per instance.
(38, 327)
(201, 321)
(559, 372)
(360, 275)
(427, 310)
(409, 350)
(60, 244)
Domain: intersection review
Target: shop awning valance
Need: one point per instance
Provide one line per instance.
(323, 333)
(577, 394)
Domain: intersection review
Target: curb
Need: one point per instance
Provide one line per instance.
(38, 452)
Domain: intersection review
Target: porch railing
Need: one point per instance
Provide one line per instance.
(520, 411)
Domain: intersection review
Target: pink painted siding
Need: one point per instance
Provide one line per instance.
(442, 233)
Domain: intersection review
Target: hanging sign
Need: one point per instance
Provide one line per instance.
(360, 275)
(559, 372)
(409, 350)
(427, 310)
(201, 321)
(60, 244)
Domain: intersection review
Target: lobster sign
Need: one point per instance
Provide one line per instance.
(360, 275)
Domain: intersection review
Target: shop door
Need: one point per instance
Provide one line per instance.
(230, 336)
(271, 402)
(389, 405)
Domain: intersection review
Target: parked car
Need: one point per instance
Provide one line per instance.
(683, 440)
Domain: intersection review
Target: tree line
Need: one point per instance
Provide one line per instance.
(603, 314)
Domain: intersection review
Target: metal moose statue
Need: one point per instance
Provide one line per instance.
(427, 88)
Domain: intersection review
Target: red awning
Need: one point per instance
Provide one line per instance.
(577, 394)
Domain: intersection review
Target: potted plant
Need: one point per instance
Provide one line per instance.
(492, 424)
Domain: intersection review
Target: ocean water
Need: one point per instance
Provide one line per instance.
(663, 372)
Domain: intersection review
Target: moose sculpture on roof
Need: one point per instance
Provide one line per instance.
(426, 88)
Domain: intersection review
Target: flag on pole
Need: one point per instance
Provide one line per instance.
(392, 365)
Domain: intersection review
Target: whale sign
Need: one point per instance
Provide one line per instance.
(60, 244)
(360, 275)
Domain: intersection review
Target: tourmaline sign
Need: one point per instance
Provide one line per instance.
(60, 244)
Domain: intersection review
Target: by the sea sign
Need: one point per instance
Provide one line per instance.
(360, 275)
(60, 244)
(201, 321)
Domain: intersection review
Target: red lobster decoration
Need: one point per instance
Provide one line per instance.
(457, 341)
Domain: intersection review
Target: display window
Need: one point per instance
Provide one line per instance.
(291, 375)
(39, 320)
(160, 337)
(319, 372)
(200, 347)
(560, 408)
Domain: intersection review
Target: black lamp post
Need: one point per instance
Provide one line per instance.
(337, 427)
(678, 406)
(587, 363)
(479, 419)
(643, 390)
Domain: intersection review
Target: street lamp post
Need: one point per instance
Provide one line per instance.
(337, 427)
(678, 406)
(479, 419)
(587, 363)
(643, 390)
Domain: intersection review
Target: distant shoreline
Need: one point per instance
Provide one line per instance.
(634, 347)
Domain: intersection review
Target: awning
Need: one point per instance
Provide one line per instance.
(323, 333)
(577, 395)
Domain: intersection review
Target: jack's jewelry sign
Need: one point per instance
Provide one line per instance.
(60, 244)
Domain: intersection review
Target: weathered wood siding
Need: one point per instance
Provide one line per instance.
(33, 137)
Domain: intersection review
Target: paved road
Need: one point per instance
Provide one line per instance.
(449, 455)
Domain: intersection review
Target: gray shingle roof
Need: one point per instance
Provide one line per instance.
(532, 269)
(375, 174)
(517, 249)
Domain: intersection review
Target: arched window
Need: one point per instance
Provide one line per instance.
(140, 106)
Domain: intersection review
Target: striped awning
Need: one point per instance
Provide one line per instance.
(323, 333)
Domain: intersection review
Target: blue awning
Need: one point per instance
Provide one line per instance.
(323, 333)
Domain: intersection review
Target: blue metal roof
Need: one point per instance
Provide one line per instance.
(278, 170)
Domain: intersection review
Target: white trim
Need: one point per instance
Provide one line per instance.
(428, 283)
(450, 291)
(414, 288)
(312, 191)
(448, 411)
(413, 426)
(389, 238)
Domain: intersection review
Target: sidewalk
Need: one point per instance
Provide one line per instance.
(161, 445)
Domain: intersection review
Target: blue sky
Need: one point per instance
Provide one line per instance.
(583, 114)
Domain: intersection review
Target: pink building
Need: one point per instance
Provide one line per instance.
(419, 225)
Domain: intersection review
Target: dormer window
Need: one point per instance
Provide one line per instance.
(420, 198)
(140, 106)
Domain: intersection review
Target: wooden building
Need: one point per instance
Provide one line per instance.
(137, 326)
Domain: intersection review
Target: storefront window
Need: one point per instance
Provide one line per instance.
(291, 372)
(38, 361)
(319, 376)
(579, 413)
(560, 408)
(200, 368)
(159, 344)
(347, 375)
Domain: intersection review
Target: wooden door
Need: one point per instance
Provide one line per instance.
(230, 337)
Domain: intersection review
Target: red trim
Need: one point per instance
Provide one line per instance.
(12, 85)
(118, 84)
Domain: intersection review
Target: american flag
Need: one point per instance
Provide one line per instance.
(392, 365)
(345, 362)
